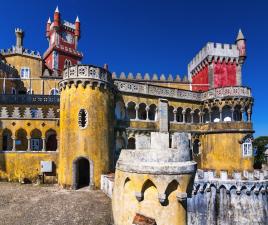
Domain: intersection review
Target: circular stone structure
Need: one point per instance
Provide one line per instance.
(153, 184)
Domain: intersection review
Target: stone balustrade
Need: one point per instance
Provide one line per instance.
(147, 89)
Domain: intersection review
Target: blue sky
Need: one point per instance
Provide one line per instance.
(154, 36)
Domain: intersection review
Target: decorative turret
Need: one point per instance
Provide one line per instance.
(241, 45)
(63, 39)
(77, 31)
(48, 28)
(57, 18)
(19, 39)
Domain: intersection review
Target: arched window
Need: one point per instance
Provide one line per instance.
(152, 112)
(83, 118)
(237, 113)
(142, 112)
(120, 111)
(131, 111)
(226, 113)
(54, 91)
(196, 117)
(188, 117)
(215, 114)
(247, 148)
(51, 140)
(36, 140)
(7, 140)
(21, 140)
(131, 143)
(171, 113)
(67, 63)
(206, 116)
(179, 115)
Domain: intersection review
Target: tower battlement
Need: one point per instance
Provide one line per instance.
(216, 51)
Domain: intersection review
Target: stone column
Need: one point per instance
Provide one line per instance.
(137, 112)
(175, 115)
(201, 119)
(44, 144)
(147, 112)
(192, 116)
(232, 111)
(249, 115)
(183, 116)
(29, 143)
(220, 115)
(242, 115)
(14, 143)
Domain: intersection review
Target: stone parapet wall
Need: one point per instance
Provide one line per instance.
(152, 90)
(255, 181)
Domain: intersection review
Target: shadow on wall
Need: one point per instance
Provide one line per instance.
(4, 143)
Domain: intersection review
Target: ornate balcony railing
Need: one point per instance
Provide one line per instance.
(87, 72)
(147, 89)
(29, 99)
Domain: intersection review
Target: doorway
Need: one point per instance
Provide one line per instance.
(81, 173)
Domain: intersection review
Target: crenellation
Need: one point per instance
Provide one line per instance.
(213, 50)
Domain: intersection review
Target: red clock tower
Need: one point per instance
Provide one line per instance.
(63, 39)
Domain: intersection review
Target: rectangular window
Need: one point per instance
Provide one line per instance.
(247, 149)
(25, 72)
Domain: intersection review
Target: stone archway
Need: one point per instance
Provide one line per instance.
(82, 173)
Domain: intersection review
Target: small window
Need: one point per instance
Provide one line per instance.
(54, 91)
(67, 63)
(247, 148)
(83, 118)
(25, 72)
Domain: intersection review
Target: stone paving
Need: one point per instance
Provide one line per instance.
(50, 205)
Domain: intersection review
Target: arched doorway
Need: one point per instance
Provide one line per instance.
(81, 173)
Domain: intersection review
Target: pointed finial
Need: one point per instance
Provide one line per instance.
(57, 9)
(77, 20)
(49, 20)
(240, 35)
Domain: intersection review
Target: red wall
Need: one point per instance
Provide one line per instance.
(200, 78)
(224, 74)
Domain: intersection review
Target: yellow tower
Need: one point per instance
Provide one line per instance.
(86, 125)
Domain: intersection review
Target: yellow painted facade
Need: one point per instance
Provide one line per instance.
(95, 141)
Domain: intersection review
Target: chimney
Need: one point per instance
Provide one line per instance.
(19, 39)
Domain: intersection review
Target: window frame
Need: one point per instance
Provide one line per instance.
(23, 73)
(247, 148)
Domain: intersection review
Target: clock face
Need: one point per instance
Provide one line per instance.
(67, 37)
